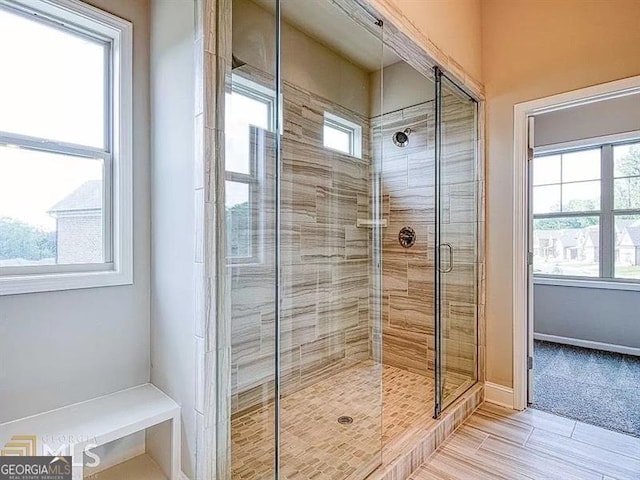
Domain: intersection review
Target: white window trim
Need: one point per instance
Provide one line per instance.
(353, 129)
(604, 284)
(78, 15)
(253, 89)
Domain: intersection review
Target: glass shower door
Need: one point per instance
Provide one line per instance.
(456, 245)
(246, 334)
(299, 343)
(329, 373)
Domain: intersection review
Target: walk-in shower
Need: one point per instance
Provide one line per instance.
(349, 305)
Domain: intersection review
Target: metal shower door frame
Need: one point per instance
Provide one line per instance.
(439, 271)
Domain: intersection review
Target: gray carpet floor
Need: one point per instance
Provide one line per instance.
(600, 388)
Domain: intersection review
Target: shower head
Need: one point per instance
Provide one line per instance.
(401, 139)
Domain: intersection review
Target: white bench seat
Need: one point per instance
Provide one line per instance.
(82, 426)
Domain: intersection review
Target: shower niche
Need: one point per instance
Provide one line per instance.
(347, 304)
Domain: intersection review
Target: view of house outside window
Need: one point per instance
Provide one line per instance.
(568, 198)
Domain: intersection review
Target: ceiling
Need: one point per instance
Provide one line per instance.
(328, 25)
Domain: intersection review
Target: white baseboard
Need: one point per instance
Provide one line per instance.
(498, 394)
(608, 347)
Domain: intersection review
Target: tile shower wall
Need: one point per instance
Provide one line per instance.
(324, 257)
(408, 178)
(461, 228)
(408, 200)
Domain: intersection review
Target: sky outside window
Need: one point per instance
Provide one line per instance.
(52, 87)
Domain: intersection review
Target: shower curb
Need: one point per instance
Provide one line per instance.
(405, 459)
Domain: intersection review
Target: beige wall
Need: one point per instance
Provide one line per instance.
(403, 87)
(533, 49)
(453, 25)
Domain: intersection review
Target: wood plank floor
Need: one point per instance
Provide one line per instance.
(497, 443)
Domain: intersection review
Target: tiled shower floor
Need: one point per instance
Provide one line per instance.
(314, 445)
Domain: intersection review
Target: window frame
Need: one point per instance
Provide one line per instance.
(255, 91)
(606, 213)
(347, 126)
(116, 34)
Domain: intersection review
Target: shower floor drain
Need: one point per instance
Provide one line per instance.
(345, 420)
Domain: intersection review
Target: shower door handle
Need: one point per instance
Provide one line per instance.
(450, 267)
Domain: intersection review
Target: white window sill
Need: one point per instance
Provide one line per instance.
(51, 282)
(595, 283)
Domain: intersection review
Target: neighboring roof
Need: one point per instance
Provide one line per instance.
(593, 234)
(634, 235)
(622, 223)
(570, 237)
(87, 196)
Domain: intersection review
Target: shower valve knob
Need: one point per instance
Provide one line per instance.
(407, 237)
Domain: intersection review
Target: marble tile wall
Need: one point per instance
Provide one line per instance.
(408, 181)
(325, 259)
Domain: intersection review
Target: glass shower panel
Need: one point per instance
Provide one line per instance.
(330, 375)
(250, 224)
(407, 170)
(456, 242)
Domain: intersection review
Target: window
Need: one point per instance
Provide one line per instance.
(65, 147)
(342, 135)
(249, 113)
(586, 212)
(626, 204)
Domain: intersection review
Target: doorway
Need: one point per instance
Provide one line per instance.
(574, 349)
